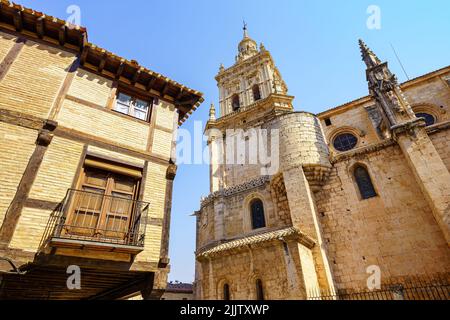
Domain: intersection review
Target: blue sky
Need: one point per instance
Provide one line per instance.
(314, 44)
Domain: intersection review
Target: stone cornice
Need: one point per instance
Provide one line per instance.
(252, 184)
(361, 151)
(244, 111)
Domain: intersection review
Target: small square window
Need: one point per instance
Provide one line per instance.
(328, 122)
(132, 106)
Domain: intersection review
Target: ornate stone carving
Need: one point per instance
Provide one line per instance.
(252, 184)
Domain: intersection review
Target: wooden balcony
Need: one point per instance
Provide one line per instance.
(93, 221)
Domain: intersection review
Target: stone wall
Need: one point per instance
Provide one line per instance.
(395, 230)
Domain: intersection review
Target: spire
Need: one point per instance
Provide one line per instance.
(368, 56)
(247, 47)
(212, 112)
(245, 30)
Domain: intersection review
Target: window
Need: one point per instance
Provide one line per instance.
(235, 103)
(429, 119)
(226, 292)
(345, 142)
(364, 183)
(328, 122)
(259, 290)
(103, 204)
(256, 92)
(257, 212)
(132, 106)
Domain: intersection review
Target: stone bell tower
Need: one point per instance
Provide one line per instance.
(261, 209)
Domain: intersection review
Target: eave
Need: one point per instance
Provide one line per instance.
(36, 25)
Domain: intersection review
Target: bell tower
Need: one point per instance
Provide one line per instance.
(253, 77)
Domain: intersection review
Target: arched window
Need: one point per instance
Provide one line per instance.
(235, 103)
(345, 142)
(259, 290)
(257, 211)
(226, 292)
(429, 119)
(364, 183)
(256, 93)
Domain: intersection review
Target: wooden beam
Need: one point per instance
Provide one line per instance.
(120, 70)
(62, 35)
(151, 83)
(84, 55)
(182, 108)
(102, 64)
(165, 89)
(18, 20)
(40, 27)
(180, 94)
(188, 102)
(127, 288)
(136, 77)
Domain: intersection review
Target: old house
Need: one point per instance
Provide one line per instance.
(86, 140)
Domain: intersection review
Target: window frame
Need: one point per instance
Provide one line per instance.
(263, 214)
(357, 182)
(259, 290)
(419, 115)
(256, 90)
(235, 98)
(134, 98)
(226, 293)
(343, 133)
(107, 197)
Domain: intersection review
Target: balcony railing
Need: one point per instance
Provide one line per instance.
(90, 218)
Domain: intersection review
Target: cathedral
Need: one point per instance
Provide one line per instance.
(360, 190)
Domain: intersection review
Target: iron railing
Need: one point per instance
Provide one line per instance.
(95, 217)
(436, 288)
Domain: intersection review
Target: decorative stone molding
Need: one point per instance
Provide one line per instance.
(316, 175)
(409, 127)
(361, 151)
(249, 185)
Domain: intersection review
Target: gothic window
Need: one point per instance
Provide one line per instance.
(259, 290)
(256, 92)
(365, 186)
(345, 142)
(429, 119)
(257, 212)
(235, 103)
(226, 292)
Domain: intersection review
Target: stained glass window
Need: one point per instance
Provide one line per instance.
(364, 183)
(345, 142)
(257, 210)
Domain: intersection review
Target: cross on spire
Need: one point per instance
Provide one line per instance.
(245, 29)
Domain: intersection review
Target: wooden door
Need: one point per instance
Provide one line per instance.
(104, 205)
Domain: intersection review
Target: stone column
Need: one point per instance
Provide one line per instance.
(431, 174)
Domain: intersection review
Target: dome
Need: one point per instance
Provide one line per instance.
(247, 47)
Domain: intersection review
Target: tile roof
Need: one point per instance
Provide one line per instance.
(17, 18)
(281, 234)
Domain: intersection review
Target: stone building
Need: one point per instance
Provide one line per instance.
(86, 164)
(363, 184)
